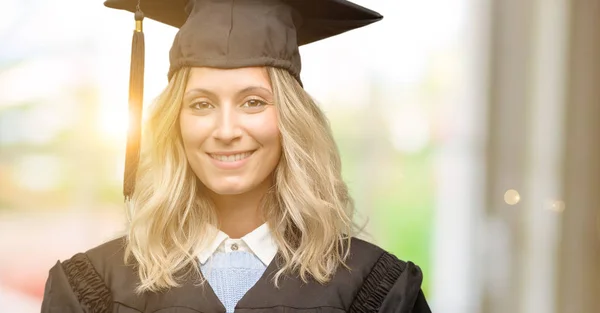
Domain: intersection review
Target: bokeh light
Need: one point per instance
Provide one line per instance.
(556, 205)
(512, 197)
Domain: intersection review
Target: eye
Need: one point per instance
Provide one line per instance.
(201, 105)
(254, 103)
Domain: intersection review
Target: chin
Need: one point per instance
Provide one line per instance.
(228, 191)
(228, 188)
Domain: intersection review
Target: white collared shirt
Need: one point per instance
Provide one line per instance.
(259, 242)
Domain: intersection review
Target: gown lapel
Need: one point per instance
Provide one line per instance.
(204, 299)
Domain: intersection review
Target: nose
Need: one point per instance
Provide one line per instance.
(227, 126)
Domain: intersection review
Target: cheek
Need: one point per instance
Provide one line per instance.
(192, 132)
(184, 127)
(271, 142)
(266, 131)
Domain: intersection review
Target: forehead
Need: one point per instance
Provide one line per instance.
(228, 79)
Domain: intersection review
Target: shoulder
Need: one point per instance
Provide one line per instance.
(389, 284)
(79, 284)
(107, 261)
(90, 279)
(364, 254)
(107, 258)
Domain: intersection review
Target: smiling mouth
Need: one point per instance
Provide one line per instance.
(232, 157)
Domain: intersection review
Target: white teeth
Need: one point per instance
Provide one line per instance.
(231, 158)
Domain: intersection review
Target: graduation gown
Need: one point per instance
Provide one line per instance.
(99, 281)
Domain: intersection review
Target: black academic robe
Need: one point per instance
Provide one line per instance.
(99, 281)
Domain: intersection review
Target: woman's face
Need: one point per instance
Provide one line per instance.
(229, 129)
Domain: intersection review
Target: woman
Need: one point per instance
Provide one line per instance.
(239, 203)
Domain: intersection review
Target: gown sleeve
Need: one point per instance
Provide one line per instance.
(393, 286)
(74, 286)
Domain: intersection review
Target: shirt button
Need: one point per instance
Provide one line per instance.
(234, 247)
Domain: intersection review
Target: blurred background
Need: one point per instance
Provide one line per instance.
(469, 130)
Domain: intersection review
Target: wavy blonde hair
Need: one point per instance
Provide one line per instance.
(309, 209)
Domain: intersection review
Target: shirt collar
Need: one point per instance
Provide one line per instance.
(260, 241)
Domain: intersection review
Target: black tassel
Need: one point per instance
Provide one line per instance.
(136, 97)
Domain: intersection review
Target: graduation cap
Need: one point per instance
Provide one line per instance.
(231, 34)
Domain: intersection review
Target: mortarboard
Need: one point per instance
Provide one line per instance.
(231, 34)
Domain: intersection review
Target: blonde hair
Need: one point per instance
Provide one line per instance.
(309, 209)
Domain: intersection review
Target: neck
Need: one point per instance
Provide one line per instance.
(240, 214)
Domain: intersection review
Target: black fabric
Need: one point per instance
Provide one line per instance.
(58, 295)
(243, 33)
(227, 34)
(87, 285)
(402, 297)
(377, 282)
(391, 286)
(320, 18)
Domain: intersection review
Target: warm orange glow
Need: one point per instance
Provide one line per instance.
(113, 121)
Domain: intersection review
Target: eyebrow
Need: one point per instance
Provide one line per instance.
(213, 95)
